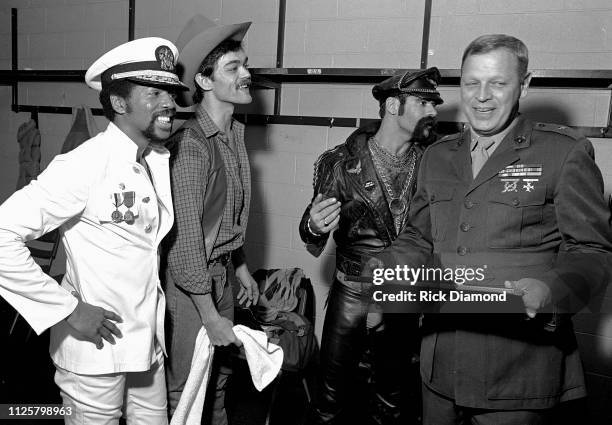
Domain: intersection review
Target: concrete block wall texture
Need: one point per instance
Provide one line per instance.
(70, 34)
(561, 34)
(353, 33)
(569, 34)
(578, 107)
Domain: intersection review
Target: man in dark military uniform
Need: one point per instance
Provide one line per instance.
(363, 188)
(524, 200)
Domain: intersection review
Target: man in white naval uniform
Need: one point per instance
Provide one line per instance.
(111, 199)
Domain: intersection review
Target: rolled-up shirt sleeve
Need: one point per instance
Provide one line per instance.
(186, 249)
(54, 198)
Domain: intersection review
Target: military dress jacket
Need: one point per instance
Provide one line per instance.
(111, 261)
(366, 225)
(536, 209)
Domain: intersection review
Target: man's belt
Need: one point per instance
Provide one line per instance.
(345, 278)
(222, 260)
(218, 272)
(349, 263)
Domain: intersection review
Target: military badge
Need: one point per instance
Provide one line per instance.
(528, 184)
(127, 200)
(521, 170)
(165, 57)
(510, 185)
(116, 215)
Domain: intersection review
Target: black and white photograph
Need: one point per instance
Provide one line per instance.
(306, 212)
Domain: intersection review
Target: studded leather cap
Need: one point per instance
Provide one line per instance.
(420, 83)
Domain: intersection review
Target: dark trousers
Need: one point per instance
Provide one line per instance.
(440, 410)
(182, 326)
(342, 345)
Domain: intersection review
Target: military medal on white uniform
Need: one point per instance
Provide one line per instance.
(129, 198)
(116, 216)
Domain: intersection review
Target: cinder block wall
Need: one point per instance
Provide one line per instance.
(561, 34)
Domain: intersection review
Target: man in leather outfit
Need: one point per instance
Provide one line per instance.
(363, 188)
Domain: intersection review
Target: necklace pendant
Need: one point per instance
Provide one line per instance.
(397, 206)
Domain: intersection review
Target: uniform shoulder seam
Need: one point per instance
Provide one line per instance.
(559, 129)
(328, 158)
(447, 138)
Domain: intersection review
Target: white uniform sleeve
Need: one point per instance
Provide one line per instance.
(59, 194)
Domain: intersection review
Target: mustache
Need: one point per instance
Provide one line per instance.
(170, 112)
(246, 80)
(426, 123)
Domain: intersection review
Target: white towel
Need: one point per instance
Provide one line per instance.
(264, 360)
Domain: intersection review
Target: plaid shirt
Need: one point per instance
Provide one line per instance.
(189, 170)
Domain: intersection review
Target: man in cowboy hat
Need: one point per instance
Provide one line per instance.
(362, 191)
(111, 197)
(211, 186)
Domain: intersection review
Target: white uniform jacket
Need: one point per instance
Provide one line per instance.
(113, 265)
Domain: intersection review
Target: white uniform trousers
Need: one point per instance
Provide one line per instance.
(102, 399)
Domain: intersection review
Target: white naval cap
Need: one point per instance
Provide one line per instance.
(147, 61)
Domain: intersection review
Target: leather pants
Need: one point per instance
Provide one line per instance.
(343, 342)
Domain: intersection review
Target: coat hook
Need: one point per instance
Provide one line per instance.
(331, 122)
(34, 116)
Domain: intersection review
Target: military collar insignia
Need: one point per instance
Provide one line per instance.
(464, 128)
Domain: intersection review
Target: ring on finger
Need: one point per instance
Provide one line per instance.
(325, 222)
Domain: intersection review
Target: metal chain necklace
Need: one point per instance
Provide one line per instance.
(397, 203)
(386, 157)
